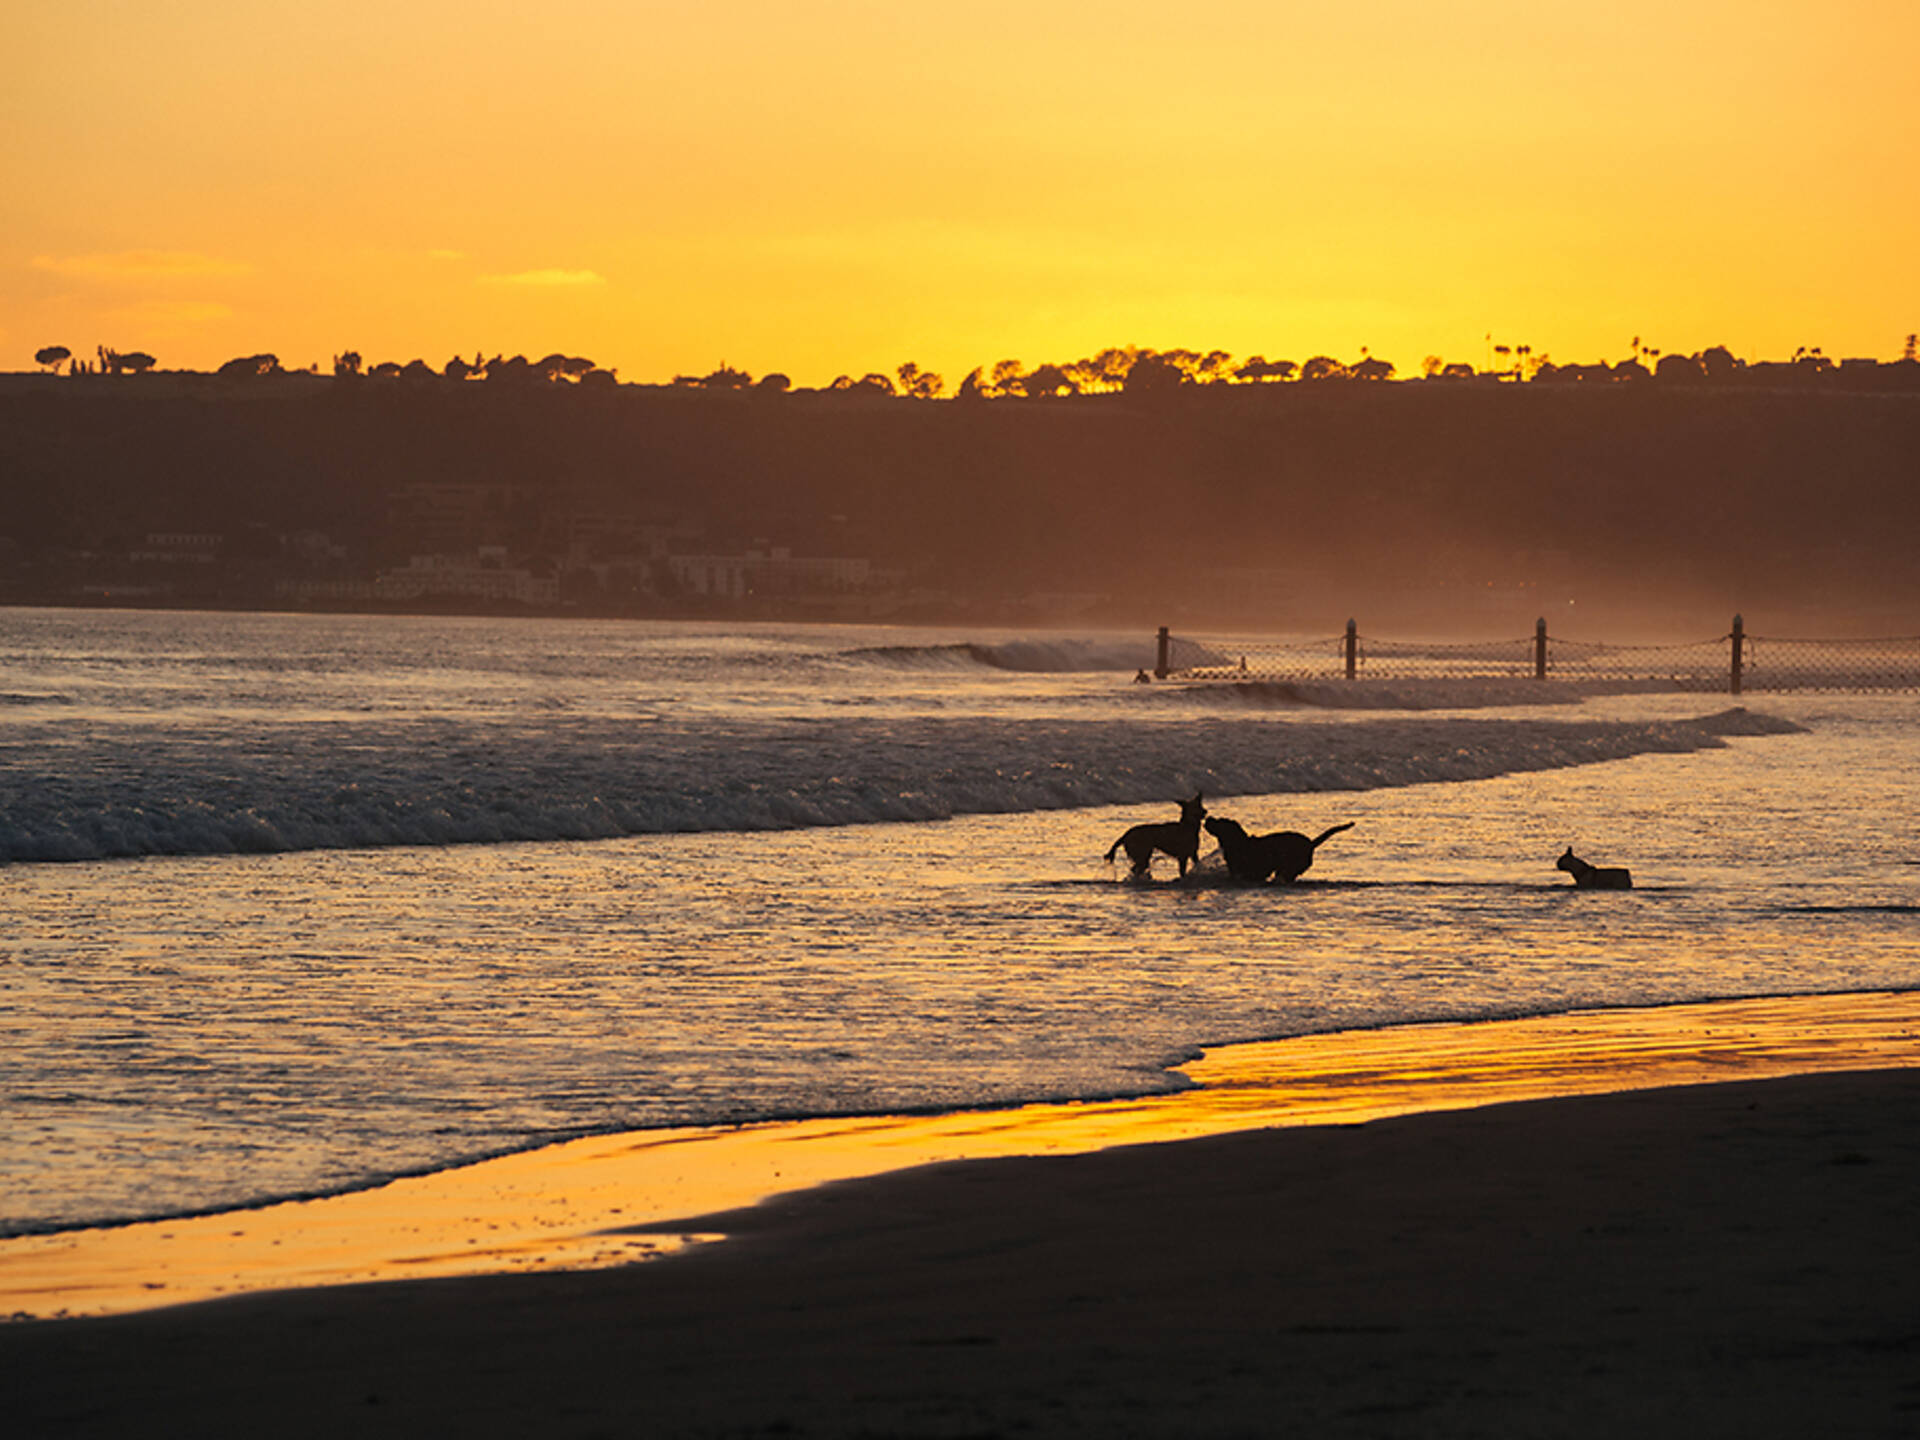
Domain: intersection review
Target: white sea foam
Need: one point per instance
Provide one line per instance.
(351, 785)
(1053, 656)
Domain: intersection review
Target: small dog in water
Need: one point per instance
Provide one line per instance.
(1285, 855)
(1594, 877)
(1178, 838)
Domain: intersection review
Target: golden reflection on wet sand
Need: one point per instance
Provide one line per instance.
(580, 1204)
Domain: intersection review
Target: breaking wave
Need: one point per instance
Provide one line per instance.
(352, 785)
(1039, 657)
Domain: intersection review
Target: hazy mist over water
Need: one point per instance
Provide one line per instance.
(739, 872)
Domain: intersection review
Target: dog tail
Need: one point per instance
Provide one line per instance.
(1114, 851)
(1326, 835)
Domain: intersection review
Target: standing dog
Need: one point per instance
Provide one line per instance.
(1178, 838)
(1591, 877)
(1285, 855)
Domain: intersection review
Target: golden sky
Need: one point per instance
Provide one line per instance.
(828, 186)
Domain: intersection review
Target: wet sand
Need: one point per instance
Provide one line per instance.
(613, 1199)
(1703, 1259)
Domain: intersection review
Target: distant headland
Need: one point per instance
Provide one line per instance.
(1133, 486)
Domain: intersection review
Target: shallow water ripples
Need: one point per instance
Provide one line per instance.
(190, 1032)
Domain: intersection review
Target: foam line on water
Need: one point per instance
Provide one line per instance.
(443, 782)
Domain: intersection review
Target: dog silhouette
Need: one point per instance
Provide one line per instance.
(1178, 838)
(1285, 855)
(1594, 877)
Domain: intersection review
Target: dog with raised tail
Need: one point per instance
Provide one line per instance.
(1594, 877)
(1285, 855)
(1178, 838)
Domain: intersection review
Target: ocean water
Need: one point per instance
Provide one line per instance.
(292, 904)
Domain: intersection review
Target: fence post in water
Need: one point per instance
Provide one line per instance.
(1739, 638)
(1160, 664)
(1540, 648)
(1353, 649)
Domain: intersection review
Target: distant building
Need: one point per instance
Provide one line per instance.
(314, 548)
(336, 590)
(778, 571)
(178, 548)
(773, 571)
(716, 576)
(487, 576)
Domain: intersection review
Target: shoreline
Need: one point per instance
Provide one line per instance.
(607, 1201)
(1706, 1259)
(1210, 1055)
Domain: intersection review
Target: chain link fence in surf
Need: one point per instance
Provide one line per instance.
(1763, 662)
(1772, 663)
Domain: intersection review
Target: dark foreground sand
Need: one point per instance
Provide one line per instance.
(1738, 1259)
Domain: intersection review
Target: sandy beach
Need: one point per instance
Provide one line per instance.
(1732, 1258)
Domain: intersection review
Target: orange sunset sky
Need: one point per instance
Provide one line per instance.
(839, 186)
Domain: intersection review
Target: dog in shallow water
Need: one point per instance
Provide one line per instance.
(1593, 877)
(1285, 855)
(1178, 838)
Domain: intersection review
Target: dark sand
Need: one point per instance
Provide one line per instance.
(1738, 1259)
